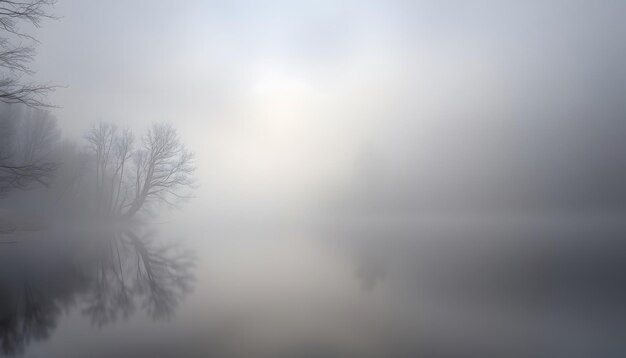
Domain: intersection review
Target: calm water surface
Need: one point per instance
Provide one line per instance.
(433, 288)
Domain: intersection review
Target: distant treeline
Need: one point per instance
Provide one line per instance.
(109, 172)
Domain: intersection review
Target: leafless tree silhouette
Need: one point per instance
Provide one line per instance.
(137, 269)
(102, 139)
(164, 276)
(123, 152)
(123, 273)
(16, 56)
(159, 172)
(163, 167)
(21, 176)
(26, 140)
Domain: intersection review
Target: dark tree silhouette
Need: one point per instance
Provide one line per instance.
(15, 56)
(27, 138)
(31, 317)
(136, 270)
(124, 272)
(21, 176)
(123, 150)
(164, 276)
(160, 171)
(102, 139)
(163, 168)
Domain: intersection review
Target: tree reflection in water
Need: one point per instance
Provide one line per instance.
(120, 273)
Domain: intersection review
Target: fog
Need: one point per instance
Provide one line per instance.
(353, 178)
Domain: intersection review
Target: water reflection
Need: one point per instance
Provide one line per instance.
(110, 274)
(452, 291)
(524, 289)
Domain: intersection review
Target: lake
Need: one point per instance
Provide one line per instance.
(398, 287)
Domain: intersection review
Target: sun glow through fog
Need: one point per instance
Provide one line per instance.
(274, 150)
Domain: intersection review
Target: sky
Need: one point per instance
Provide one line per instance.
(360, 107)
(374, 128)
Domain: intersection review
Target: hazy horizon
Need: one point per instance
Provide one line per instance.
(412, 171)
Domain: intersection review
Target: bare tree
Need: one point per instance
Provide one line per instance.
(164, 276)
(21, 176)
(121, 273)
(101, 139)
(16, 56)
(39, 132)
(123, 151)
(163, 169)
(27, 138)
(159, 172)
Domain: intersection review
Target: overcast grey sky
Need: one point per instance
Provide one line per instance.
(380, 105)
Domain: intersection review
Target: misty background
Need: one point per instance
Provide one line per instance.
(442, 178)
(378, 106)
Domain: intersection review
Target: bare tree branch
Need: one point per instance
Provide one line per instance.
(163, 168)
(20, 177)
(29, 94)
(27, 138)
(160, 171)
(15, 59)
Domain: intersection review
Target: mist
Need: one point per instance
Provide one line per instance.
(313, 178)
